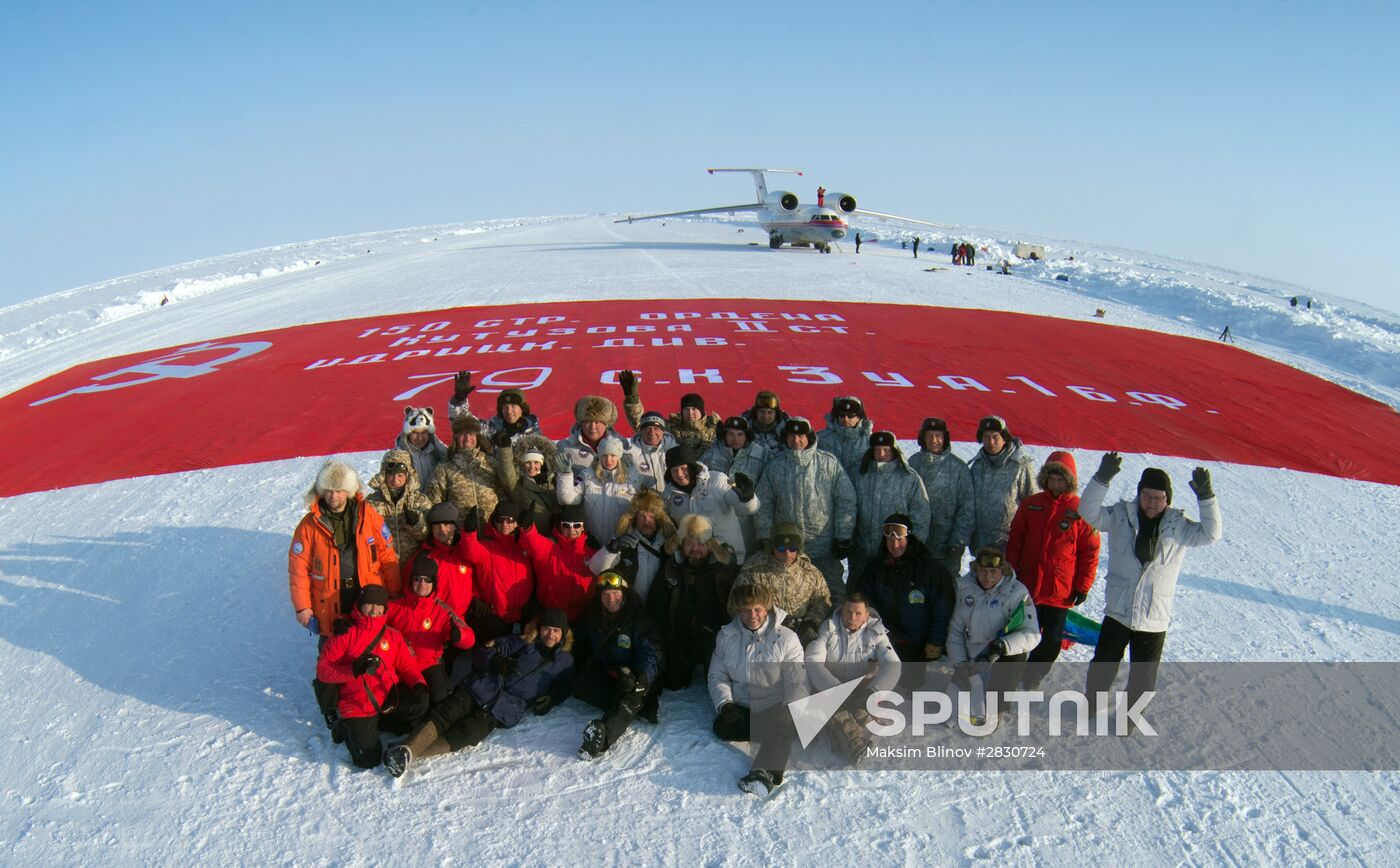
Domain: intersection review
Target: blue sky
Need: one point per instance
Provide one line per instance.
(1257, 136)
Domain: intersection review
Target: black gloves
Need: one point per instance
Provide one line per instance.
(462, 387)
(1200, 483)
(995, 650)
(500, 439)
(454, 634)
(743, 486)
(366, 665)
(614, 545)
(472, 522)
(731, 715)
(628, 381)
(1109, 466)
(591, 541)
(542, 704)
(477, 609)
(410, 516)
(1077, 598)
(628, 682)
(841, 549)
(502, 665)
(340, 626)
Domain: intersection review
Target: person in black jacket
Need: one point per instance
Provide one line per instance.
(912, 591)
(622, 675)
(688, 600)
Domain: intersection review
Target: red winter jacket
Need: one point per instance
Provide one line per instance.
(562, 576)
(504, 579)
(426, 626)
(455, 580)
(1052, 549)
(338, 656)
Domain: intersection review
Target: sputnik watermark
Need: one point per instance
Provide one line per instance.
(976, 717)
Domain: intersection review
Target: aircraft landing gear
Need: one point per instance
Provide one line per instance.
(824, 247)
(775, 241)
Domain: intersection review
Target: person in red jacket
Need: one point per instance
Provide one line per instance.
(455, 584)
(428, 623)
(377, 675)
(1055, 553)
(505, 580)
(562, 576)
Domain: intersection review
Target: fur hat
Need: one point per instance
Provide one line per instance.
(933, 423)
(766, 400)
(610, 446)
(693, 399)
(651, 417)
(1156, 479)
(512, 396)
(847, 405)
(785, 534)
(1063, 463)
(882, 438)
(334, 476)
(466, 425)
(990, 424)
(418, 419)
(647, 500)
(375, 595)
(696, 527)
(797, 425)
(595, 408)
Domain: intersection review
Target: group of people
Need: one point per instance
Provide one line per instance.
(505, 572)
(964, 253)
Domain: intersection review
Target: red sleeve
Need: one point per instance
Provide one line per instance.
(332, 667)
(536, 547)
(470, 550)
(405, 664)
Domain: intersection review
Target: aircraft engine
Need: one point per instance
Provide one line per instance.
(843, 202)
(782, 201)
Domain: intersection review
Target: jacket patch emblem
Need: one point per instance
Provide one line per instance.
(387, 535)
(968, 600)
(1035, 507)
(916, 597)
(993, 603)
(624, 641)
(298, 548)
(427, 623)
(383, 644)
(1072, 515)
(462, 568)
(369, 540)
(1065, 523)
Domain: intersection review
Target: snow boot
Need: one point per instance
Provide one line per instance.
(849, 738)
(761, 783)
(595, 740)
(648, 711)
(397, 758)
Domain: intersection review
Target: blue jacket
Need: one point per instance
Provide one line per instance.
(628, 638)
(537, 672)
(914, 596)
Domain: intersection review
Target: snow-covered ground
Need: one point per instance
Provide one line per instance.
(158, 689)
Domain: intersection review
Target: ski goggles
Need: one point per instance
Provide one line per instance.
(395, 467)
(784, 549)
(611, 579)
(896, 532)
(990, 560)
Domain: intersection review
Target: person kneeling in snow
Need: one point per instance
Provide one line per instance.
(510, 675)
(754, 673)
(994, 623)
(378, 678)
(624, 658)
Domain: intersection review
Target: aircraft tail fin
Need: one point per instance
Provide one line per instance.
(760, 187)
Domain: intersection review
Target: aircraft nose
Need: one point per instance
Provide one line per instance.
(838, 233)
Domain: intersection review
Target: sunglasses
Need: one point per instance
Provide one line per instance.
(571, 525)
(782, 550)
(611, 580)
(505, 519)
(431, 580)
(847, 415)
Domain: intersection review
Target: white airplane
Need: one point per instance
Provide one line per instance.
(787, 220)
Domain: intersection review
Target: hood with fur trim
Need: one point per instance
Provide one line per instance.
(401, 456)
(1064, 463)
(698, 527)
(532, 632)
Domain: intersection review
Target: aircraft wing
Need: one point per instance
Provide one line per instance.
(723, 209)
(905, 219)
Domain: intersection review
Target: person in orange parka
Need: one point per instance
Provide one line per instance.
(428, 623)
(505, 579)
(340, 547)
(1055, 553)
(562, 576)
(377, 675)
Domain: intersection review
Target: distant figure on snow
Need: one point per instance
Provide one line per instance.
(916, 246)
(857, 242)
(1225, 336)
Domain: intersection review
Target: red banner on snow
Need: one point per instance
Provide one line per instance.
(340, 387)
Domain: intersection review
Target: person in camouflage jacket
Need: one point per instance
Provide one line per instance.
(395, 495)
(952, 507)
(466, 477)
(797, 586)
